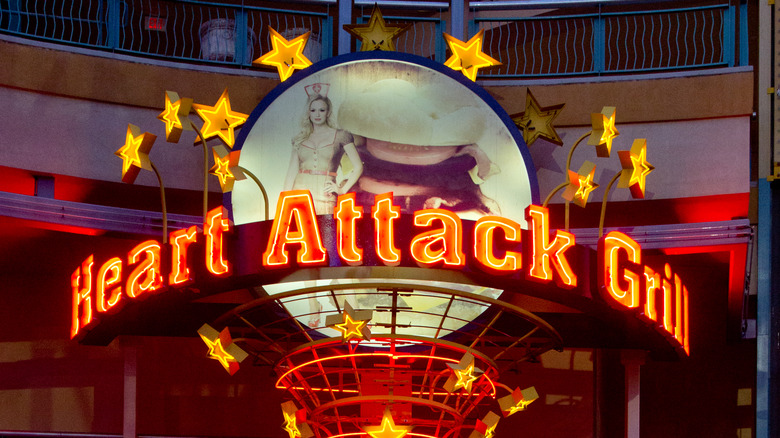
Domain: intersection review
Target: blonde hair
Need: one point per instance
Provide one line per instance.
(306, 126)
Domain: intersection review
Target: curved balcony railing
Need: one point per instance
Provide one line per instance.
(528, 42)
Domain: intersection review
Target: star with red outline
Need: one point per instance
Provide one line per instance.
(518, 400)
(135, 153)
(175, 116)
(376, 34)
(351, 324)
(635, 168)
(222, 348)
(464, 374)
(468, 57)
(581, 184)
(284, 50)
(226, 167)
(604, 131)
(537, 121)
(220, 120)
(387, 429)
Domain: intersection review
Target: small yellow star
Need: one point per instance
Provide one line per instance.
(537, 121)
(175, 116)
(286, 56)
(581, 184)
(387, 429)
(350, 328)
(226, 167)
(635, 168)
(465, 378)
(604, 131)
(351, 324)
(290, 425)
(222, 348)
(517, 401)
(220, 120)
(468, 57)
(376, 34)
(464, 374)
(135, 153)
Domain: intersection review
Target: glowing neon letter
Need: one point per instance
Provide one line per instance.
(81, 284)
(217, 224)
(110, 274)
(544, 253)
(149, 268)
(666, 286)
(298, 206)
(180, 269)
(483, 244)
(346, 215)
(611, 273)
(449, 236)
(384, 212)
(686, 343)
(678, 309)
(652, 284)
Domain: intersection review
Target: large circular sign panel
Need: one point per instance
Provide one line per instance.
(377, 123)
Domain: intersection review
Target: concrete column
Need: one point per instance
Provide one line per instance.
(130, 390)
(632, 360)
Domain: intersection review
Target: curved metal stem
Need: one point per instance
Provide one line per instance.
(604, 202)
(259, 184)
(205, 171)
(571, 152)
(554, 191)
(162, 200)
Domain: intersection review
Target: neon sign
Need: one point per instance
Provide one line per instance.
(497, 246)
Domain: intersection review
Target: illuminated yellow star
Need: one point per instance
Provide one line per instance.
(387, 429)
(290, 426)
(220, 120)
(376, 34)
(465, 378)
(464, 374)
(468, 57)
(604, 131)
(537, 121)
(222, 348)
(517, 401)
(351, 324)
(175, 116)
(226, 167)
(635, 168)
(135, 153)
(581, 184)
(286, 56)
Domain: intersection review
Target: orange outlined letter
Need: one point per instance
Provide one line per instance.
(483, 244)
(110, 274)
(298, 206)
(449, 236)
(81, 284)
(652, 284)
(180, 269)
(346, 215)
(544, 253)
(610, 271)
(149, 267)
(217, 224)
(384, 212)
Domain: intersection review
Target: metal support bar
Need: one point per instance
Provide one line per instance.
(345, 17)
(632, 360)
(457, 13)
(743, 33)
(129, 429)
(240, 40)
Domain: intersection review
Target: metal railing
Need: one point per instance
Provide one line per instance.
(617, 42)
(182, 30)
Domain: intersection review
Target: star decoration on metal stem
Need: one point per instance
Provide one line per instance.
(486, 427)
(226, 167)
(294, 421)
(376, 34)
(175, 116)
(581, 184)
(286, 56)
(635, 168)
(468, 57)
(604, 131)
(537, 121)
(517, 401)
(220, 120)
(135, 153)
(464, 374)
(387, 429)
(222, 348)
(351, 324)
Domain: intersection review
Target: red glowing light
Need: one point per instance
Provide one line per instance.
(545, 254)
(483, 244)
(109, 275)
(346, 215)
(384, 213)
(81, 284)
(180, 270)
(611, 246)
(147, 255)
(217, 225)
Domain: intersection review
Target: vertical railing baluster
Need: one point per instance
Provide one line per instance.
(598, 44)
